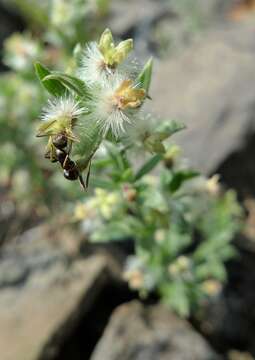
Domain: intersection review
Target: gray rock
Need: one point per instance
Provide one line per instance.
(36, 319)
(207, 9)
(170, 34)
(229, 320)
(128, 15)
(9, 23)
(211, 88)
(35, 251)
(136, 332)
(162, 26)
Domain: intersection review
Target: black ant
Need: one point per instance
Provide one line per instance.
(70, 168)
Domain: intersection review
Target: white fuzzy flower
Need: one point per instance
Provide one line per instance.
(93, 68)
(115, 104)
(63, 107)
(143, 127)
(59, 116)
(100, 61)
(137, 274)
(62, 12)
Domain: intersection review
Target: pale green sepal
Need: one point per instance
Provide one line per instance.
(144, 78)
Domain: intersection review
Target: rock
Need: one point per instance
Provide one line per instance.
(170, 34)
(237, 355)
(35, 251)
(211, 88)
(161, 26)
(136, 332)
(207, 9)
(36, 319)
(229, 320)
(128, 16)
(9, 23)
(136, 19)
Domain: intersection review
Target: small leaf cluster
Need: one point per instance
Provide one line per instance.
(63, 23)
(88, 107)
(30, 180)
(181, 223)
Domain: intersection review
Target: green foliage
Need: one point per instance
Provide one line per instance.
(148, 166)
(69, 82)
(180, 177)
(64, 23)
(181, 223)
(182, 227)
(144, 78)
(52, 85)
(29, 177)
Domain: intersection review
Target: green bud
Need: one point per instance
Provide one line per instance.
(122, 50)
(154, 145)
(113, 56)
(106, 42)
(171, 155)
(77, 52)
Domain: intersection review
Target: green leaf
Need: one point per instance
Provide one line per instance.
(153, 145)
(180, 177)
(117, 157)
(168, 128)
(144, 78)
(77, 53)
(175, 295)
(54, 87)
(97, 182)
(68, 81)
(116, 230)
(176, 241)
(127, 175)
(154, 142)
(148, 166)
(209, 269)
(102, 163)
(215, 248)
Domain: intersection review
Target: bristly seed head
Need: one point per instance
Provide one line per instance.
(115, 104)
(59, 116)
(66, 107)
(100, 60)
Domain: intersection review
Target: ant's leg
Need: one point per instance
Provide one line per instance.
(88, 175)
(70, 147)
(86, 184)
(84, 187)
(68, 153)
(65, 161)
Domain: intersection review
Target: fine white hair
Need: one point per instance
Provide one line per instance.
(104, 111)
(65, 106)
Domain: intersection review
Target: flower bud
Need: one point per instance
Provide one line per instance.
(106, 42)
(113, 56)
(170, 156)
(130, 193)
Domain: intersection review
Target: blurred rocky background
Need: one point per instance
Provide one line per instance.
(61, 298)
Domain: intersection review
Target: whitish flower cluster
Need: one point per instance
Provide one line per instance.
(100, 61)
(104, 98)
(138, 275)
(59, 116)
(61, 12)
(116, 96)
(115, 104)
(65, 107)
(21, 51)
